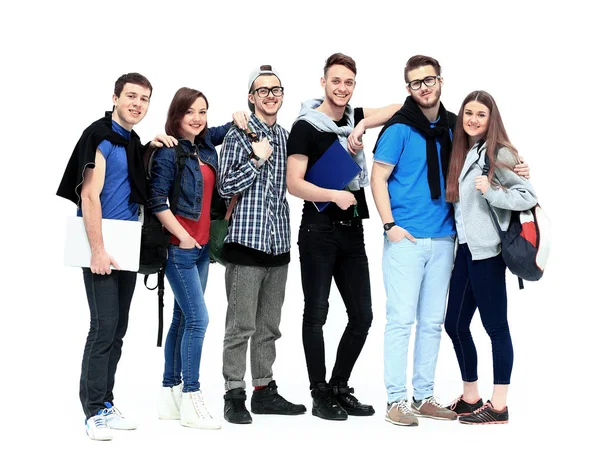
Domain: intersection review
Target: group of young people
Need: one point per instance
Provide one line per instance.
(428, 188)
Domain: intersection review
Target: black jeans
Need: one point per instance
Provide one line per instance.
(334, 251)
(109, 297)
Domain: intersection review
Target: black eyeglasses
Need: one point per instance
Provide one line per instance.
(263, 92)
(429, 81)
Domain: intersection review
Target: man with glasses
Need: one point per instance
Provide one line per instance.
(331, 242)
(257, 249)
(408, 184)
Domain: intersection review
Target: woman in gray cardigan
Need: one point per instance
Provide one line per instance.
(478, 277)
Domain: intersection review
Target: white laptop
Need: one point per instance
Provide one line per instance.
(122, 239)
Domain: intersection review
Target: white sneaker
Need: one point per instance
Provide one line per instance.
(169, 402)
(116, 420)
(97, 428)
(194, 412)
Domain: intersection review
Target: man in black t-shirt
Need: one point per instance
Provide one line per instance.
(331, 242)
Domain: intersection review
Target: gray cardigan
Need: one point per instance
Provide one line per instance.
(507, 193)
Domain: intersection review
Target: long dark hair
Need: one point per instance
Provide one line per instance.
(183, 99)
(495, 137)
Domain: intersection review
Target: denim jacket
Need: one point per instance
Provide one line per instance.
(164, 170)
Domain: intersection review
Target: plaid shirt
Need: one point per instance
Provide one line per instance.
(261, 218)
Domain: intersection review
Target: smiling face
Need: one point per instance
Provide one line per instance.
(266, 108)
(475, 120)
(425, 97)
(131, 105)
(193, 121)
(339, 83)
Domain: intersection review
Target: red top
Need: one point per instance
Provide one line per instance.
(200, 230)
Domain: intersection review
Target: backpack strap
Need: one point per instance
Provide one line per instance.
(486, 170)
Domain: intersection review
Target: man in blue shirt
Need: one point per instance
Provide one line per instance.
(411, 158)
(105, 178)
(408, 183)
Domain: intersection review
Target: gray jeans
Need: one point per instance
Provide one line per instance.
(255, 296)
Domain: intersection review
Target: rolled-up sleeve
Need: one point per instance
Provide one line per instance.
(236, 171)
(217, 134)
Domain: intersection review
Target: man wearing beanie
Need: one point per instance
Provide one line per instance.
(257, 250)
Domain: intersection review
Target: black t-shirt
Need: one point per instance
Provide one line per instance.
(240, 254)
(306, 140)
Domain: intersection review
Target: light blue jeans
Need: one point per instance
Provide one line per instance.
(187, 272)
(416, 277)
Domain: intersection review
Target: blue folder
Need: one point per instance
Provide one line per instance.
(334, 170)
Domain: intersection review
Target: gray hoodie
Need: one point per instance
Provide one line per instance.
(507, 193)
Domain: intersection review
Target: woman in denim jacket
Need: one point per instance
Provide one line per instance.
(187, 265)
(478, 277)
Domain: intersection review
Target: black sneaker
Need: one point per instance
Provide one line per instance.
(343, 394)
(462, 407)
(269, 402)
(235, 407)
(486, 415)
(325, 405)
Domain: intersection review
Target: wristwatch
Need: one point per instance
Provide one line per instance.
(261, 161)
(388, 226)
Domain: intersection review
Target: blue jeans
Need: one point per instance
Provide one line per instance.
(187, 273)
(416, 276)
(479, 284)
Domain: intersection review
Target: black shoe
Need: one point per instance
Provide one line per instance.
(462, 407)
(235, 407)
(485, 415)
(343, 394)
(325, 405)
(268, 401)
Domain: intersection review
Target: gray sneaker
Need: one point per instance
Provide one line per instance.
(431, 408)
(398, 413)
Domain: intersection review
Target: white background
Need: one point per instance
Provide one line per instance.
(59, 64)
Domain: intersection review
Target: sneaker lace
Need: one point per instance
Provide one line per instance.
(112, 411)
(100, 420)
(432, 400)
(482, 408)
(200, 406)
(454, 403)
(403, 407)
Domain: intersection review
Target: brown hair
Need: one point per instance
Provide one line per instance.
(340, 59)
(495, 137)
(418, 61)
(183, 99)
(132, 78)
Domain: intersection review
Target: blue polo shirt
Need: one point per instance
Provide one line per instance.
(114, 196)
(405, 149)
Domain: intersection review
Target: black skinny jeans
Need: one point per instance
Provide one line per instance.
(335, 251)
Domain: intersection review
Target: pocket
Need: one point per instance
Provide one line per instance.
(183, 257)
(402, 242)
(317, 228)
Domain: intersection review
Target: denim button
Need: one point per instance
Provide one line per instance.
(198, 199)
